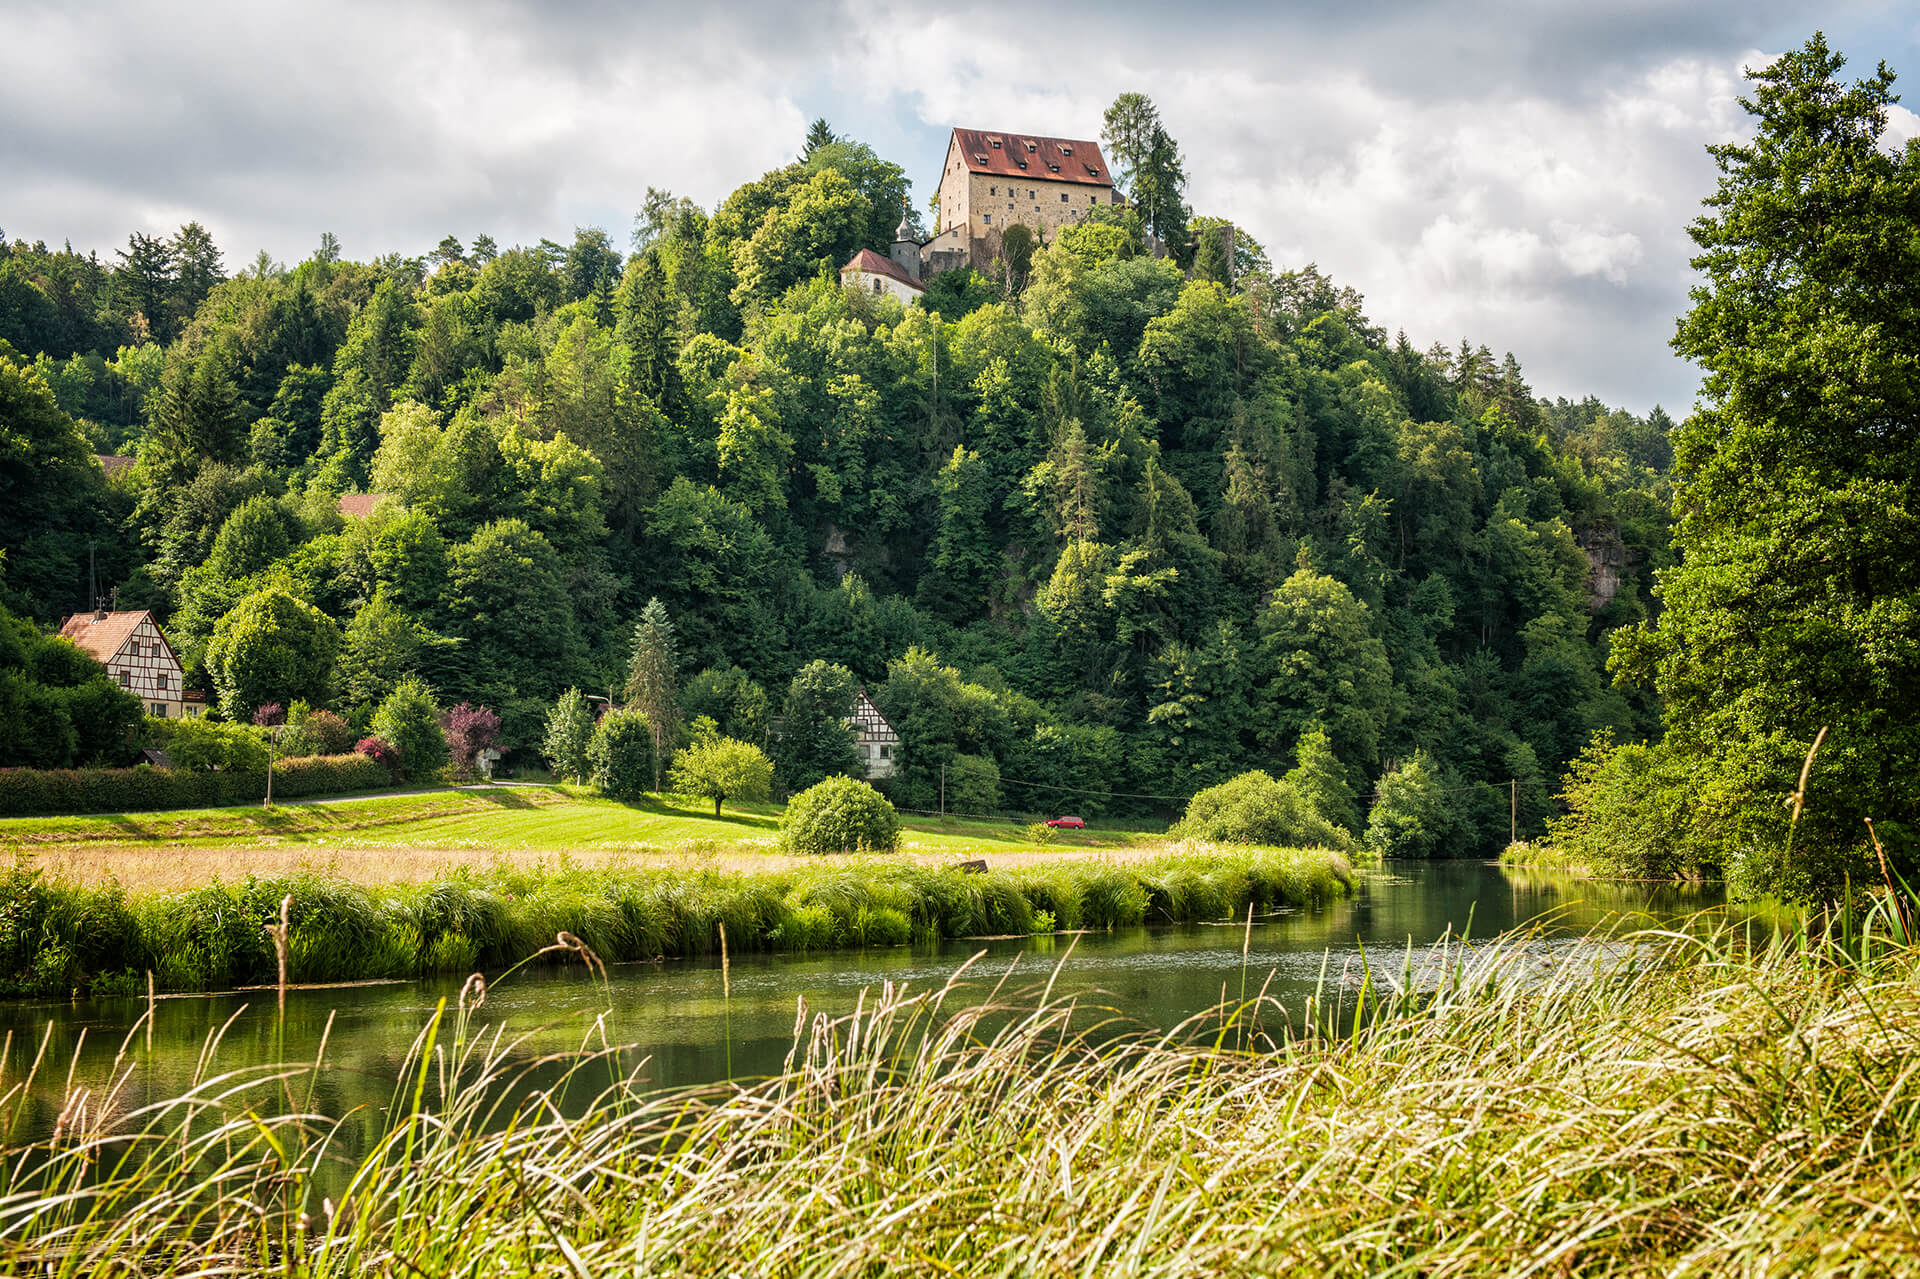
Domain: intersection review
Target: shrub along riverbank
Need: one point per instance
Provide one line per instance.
(1670, 1106)
(58, 937)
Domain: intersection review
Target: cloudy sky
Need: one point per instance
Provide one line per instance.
(1517, 173)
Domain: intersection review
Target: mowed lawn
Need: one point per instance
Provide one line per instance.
(409, 837)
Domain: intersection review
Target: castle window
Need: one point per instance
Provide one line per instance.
(987, 218)
(993, 190)
(1063, 197)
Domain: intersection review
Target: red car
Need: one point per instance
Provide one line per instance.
(1067, 823)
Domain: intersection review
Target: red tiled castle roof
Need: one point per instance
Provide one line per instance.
(1025, 155)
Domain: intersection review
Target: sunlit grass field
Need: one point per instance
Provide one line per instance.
(413, 837)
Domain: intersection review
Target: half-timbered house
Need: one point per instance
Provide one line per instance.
(137, 655)
(877, 742)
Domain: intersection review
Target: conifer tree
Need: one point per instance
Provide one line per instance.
(651, 686)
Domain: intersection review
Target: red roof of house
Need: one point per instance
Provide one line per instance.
(102, 637)
(1023, 155)
(360, 503)
(868, 260)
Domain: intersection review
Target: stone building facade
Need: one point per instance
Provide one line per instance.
(995, 180)
(138, 657)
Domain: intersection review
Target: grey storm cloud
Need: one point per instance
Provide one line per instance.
(1517, 173)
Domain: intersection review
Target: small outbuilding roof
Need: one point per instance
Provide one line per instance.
(361, 504)
(872, 263)
(113, 464)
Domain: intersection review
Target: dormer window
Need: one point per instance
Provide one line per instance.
(995, 142)
(1065, 149)
(1032, 147)
(1092, 172)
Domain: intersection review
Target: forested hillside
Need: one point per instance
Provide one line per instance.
(1094, 529)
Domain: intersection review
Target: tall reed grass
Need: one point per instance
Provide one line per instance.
(57, 937)
(1729, 1103)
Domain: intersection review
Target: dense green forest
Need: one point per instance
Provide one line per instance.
(1094, 528)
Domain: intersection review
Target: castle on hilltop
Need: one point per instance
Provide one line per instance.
(991, 181)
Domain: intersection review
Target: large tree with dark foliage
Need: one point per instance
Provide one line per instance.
(1796, 604)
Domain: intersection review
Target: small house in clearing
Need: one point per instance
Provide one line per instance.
(131, 647)
(877, 742)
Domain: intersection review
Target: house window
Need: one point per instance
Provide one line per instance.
(162, 680)
(876, 286)
(158, 710)
(886, 752)
(126, 680)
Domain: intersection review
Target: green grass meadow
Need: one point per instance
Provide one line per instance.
(521, 818)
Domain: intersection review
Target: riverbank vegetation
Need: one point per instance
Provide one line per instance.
(58, 937)
(1649, 1105)
(1541, 855)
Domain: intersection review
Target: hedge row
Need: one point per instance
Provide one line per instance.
(26, 792)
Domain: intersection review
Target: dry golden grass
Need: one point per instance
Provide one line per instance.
(172, 867)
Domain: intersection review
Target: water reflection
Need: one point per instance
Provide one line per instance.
(674, 1013)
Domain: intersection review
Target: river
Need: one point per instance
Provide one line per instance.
(687, 1031)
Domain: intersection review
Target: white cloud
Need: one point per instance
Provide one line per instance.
(1520, 172)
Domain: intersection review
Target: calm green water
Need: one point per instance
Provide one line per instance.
(674, 1013)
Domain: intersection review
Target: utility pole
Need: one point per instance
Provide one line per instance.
(1513, 810)
(943, 790)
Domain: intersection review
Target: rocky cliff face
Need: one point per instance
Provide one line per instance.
(1607, 564)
